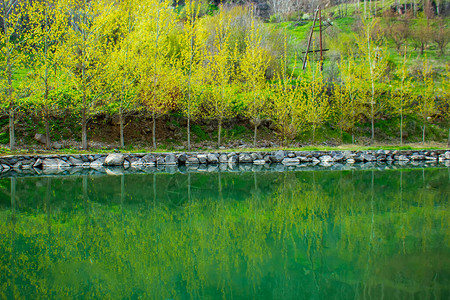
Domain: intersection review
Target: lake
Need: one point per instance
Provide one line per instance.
(353, 234)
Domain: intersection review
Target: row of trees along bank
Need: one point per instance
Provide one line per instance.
(89, 57)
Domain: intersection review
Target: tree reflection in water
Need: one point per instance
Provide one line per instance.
(291, 235)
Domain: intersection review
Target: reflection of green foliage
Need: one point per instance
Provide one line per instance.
(293, 235)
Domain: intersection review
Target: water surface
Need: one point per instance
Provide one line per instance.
(250, 235)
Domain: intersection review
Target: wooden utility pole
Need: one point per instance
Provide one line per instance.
(309, 40)
(320, 39)
(318, 15)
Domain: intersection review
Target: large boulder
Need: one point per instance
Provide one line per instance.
(114, 159)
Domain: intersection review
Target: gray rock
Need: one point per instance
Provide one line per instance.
(255, 156)
(137, 162)
(231, 154)
(40, 138)
(126, 164)
(75, 161)
(290, 161)
(54, 163)
(223, 158)
(149, 158)
(182, 157)
(202, 158)
(17, 165)
(368, 157)
(326, 158)
(314, 161)
(417, 157)
(114, 159)
(27, 167)
(259, 162)
(5, 167)
(212, 158)
(381, 157)
(170, 159)
(192, 161)
(401, 158)
(338, 156)
(232, 159)
(277, 156)
(432, 158)
(98, 162)
(160, 161)
(245, 158)
(447, 155)
(347, 154)
(57, 145)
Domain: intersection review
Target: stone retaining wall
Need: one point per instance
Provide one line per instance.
(286, 158)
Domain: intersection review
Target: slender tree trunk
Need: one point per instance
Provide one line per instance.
(365, 9)
(254, 134)
(314, 134)
(154, 129)
(121, 121)
(12, 137)
(48, 142)
(401, 128)
(219, 133)
(189, 132)
(84, 144)
(373, 117)
(423, 132)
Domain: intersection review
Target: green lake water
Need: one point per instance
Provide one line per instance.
(245, 235)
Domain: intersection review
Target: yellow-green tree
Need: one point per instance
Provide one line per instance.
(426, 102)
(446, 98)
(373, 61)
(347, 96)
(254, 64)
(222, 60)
(86, 52)
(11, 42)
(288, 113)
(152, 51)
(48, 27)
(192, 42)
(314, 98)
(121, 74)
(402, 95)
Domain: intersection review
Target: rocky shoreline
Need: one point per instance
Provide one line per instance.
(54, 164)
